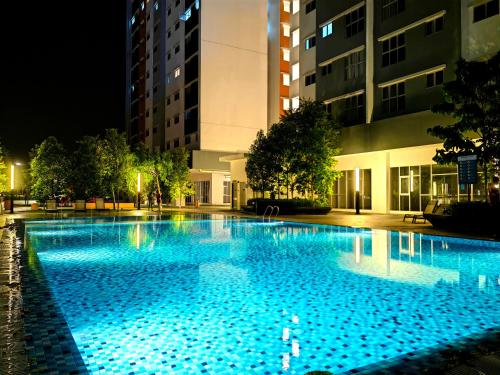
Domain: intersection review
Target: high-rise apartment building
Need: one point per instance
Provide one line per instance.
(197, 74)
(220, 70)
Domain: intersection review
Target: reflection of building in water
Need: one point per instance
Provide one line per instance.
(415, 258)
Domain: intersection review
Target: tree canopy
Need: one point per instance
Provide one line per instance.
(85, 179)
(49, 169)
(3, 170)
(473, 100)
(297, 155)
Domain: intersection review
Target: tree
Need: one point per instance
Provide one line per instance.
(85, 178)
(298, 153)
(473, 100)
(156, 167)
(114, 161)
(49, 169)
(178, 181)
(3, 171)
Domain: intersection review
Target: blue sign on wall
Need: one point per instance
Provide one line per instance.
(467, 169)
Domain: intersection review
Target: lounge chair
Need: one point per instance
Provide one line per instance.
(431, 206)
(51, 206)
(99, 204)
(80, 205)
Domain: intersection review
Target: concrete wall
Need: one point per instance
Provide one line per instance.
(274, 56)
(233, 87)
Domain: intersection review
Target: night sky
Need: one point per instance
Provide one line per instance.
(62, 71)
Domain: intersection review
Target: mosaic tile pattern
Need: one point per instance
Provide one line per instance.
(240, 296)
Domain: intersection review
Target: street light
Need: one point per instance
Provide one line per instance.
(357, 190)
(138, 191)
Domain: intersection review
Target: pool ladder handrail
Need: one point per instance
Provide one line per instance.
(271, 210)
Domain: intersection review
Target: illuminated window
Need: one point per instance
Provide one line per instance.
(310, 42)
(327, 29)
(177, 72)
(295, 102)
(295, 37)
(132, 21)
(156, 6)
(286, 104)
(286, 6)
(286, 30)
(295, 71)
(286, 79)
(142, 5)
(286, 54)
(296, 6)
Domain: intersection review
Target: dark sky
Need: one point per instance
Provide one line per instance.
(62, 70)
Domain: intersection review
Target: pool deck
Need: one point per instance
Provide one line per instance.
(466, 358)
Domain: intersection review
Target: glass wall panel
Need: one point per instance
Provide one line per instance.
(425, 179)
(350, 189)
(366, 201)
(394, 188)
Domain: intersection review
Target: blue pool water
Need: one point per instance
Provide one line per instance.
(222, 295)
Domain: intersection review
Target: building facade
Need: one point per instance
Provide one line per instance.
(198, 79)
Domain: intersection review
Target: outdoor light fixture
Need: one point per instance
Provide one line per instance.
(356, 172)
(138, 191)
(12, 188)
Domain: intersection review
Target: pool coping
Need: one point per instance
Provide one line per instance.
(50, 346)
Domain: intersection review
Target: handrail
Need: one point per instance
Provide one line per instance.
(270, 209)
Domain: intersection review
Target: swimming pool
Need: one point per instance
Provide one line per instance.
(227, 295)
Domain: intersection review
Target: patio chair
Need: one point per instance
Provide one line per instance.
(51, 206)
(99, 204)
(80, 205)
(431, 206)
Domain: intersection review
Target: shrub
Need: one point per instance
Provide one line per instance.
(287, 206)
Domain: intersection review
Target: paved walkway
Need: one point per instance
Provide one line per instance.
(392, 222)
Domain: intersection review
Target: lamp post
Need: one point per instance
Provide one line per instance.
(357, 190)
(138, 191)
(12, 188)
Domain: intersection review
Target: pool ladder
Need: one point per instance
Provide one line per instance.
(269, 212)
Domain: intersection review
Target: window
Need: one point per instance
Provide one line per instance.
(177, 2)
(176, 142)
(329, 107)
(286, 30)
(390, 8)
(177, 72)
(286, 104)
(227, 192)
(177, 48)
(327, 29)
(168, 100)
(393, 98)
(310, 6)
(156, 6)
(286, 6)
(295, 102)
(169, 33)
(177, 24)
(177, 95)
(286, 79)
(286, 54)
(168, 123)
(155, 130)
(202, 191)
(393, 50)
(354, 65)
(310, 79)
(176, 119)
(485, 10)
(354, 109)
(169, 78)
(310, 42)
(295, 6)
(435, 79)
(168, 145)
(169, 55)
(132, 21)
(326, 69)
(295, 71)
(434, 26)
(295, 37)
(355, 22)
(169, 11)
